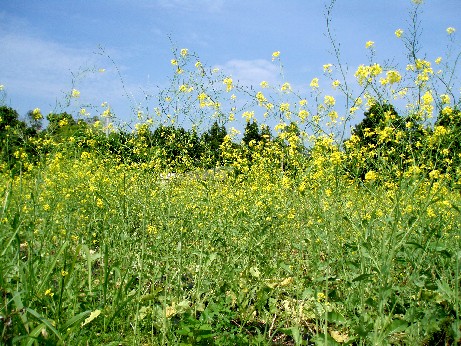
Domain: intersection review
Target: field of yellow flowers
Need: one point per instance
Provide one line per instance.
(299, 238)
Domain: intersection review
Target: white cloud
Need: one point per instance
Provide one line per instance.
(38, 67)
(212, 6)
(251, 72)
(33, 69)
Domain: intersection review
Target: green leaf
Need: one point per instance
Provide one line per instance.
(294, 333)
(396, 326)
(322, 340)
(19, 306)
(74, 320)
(51, 267)
(335, 317)
(362, 277)
(45, 321)
(31, 338)
(15, 226)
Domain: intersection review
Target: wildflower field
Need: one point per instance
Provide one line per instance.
(293, 230)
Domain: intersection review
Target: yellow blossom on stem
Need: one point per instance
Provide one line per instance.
(275, 55)
(336, 83)
(314, 83)
(329, 100)
(248, 115)
(36, 114)
(327, 68)
(184, 52)
(445, 98)
(371, 176)
(451, 30)
(75, 93)
(260, 97)
(369, 44)
(398, 33)
(286, 87)
(228, 82)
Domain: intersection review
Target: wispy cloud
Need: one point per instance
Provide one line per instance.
(251, 72)
(212, 6)
(33, 68)
(38, 67)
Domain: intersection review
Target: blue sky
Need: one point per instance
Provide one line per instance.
(50, 46)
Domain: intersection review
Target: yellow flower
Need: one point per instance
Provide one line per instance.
(260, 97)
(392, 77)
(174, 62)
(398, 33)
(264, 84)
(48, 292)
(303, 114)
(2, 87)
(102, 70)
(321, 297)
(438, 60)
(327, 68)
(63, 122)
(228, 81)
(336, 83)
(64, 273)
(329, 100)
(185, 88)
(184, 52)
(285, 107)
(366, 73)
(371, 176)
(369, 44)
(75, 93)
(451, 30)
(248, 115)
(36, 114)
(275, 55)
(445, 98)
(314, 83)
(286, 87)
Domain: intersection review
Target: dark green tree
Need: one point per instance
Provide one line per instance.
(62, 124)
(15, 139)
(252, 133)
(383, 141)
(211, 142)
(177, 145)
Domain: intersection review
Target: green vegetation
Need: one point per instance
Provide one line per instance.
(291, 235)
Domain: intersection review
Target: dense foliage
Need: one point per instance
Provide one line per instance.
(201, 235)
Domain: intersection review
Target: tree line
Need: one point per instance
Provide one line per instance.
(382, 140)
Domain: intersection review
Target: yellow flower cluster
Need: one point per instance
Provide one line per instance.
(366, 74)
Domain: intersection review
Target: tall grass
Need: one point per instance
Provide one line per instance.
(279, 244)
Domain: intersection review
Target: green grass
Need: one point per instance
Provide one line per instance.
(105, 254)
